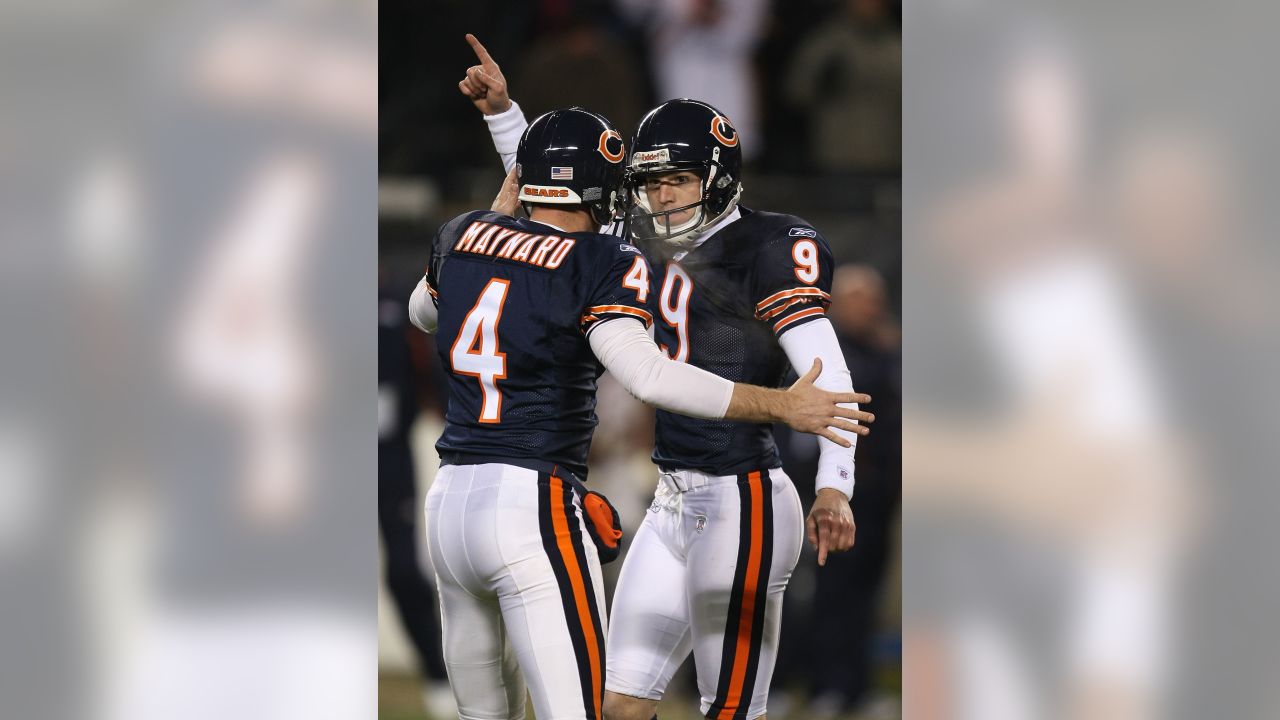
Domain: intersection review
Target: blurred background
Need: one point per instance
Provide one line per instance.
(187, 422)
(1089, 351)
(814, 88)
(191, 204)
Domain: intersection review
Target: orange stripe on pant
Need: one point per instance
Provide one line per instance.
(563, 541)
(743, 651)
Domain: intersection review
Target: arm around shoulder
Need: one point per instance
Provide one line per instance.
(630, 355)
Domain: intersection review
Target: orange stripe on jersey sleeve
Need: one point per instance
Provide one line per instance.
(790, 319)
(623, 310)
(783, 294)
(781, 308)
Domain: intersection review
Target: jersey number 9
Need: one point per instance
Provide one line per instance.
(674, 306)
(805, 253)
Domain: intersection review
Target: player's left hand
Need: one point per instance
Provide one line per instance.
(508, 200)
(830, 524)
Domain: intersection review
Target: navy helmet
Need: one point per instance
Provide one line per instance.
(572, 157)
(683, 135)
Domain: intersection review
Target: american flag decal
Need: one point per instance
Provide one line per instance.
(561, 173)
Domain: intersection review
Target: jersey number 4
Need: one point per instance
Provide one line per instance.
(475, 351)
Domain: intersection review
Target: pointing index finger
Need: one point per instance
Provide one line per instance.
(481, 53)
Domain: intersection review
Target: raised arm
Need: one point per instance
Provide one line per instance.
(486, 87)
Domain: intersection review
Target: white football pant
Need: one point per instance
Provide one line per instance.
(706, 573)
(521, 594)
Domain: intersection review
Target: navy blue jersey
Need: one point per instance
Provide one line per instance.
(722, 308)
(516, 300)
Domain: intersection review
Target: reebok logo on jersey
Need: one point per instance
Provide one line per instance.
(629, 248)
(803, 232)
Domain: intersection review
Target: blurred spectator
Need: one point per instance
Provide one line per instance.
(595, 70)
(785, 126)
(702, 49)
(254, 579)
(398, 507)
(847, 75)
(835, 627)
(1060, 507)
(1200, 276)
(849, 588)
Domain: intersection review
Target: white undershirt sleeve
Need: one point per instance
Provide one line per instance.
(629, 354)
(422, 309)
(506, 128)
(817, 339)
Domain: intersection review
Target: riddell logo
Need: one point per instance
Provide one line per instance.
(546, 192)
(651, 156)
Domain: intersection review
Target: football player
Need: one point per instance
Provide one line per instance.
(743, 294)
(525, 312)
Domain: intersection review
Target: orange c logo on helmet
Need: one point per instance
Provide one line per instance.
(723, 131)
(613, 156)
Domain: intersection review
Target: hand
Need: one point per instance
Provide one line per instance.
(508, 200)
(810, 409)
(484, 84)
(830, 523)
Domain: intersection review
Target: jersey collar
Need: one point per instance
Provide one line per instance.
(539, 222)
(705, 235)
